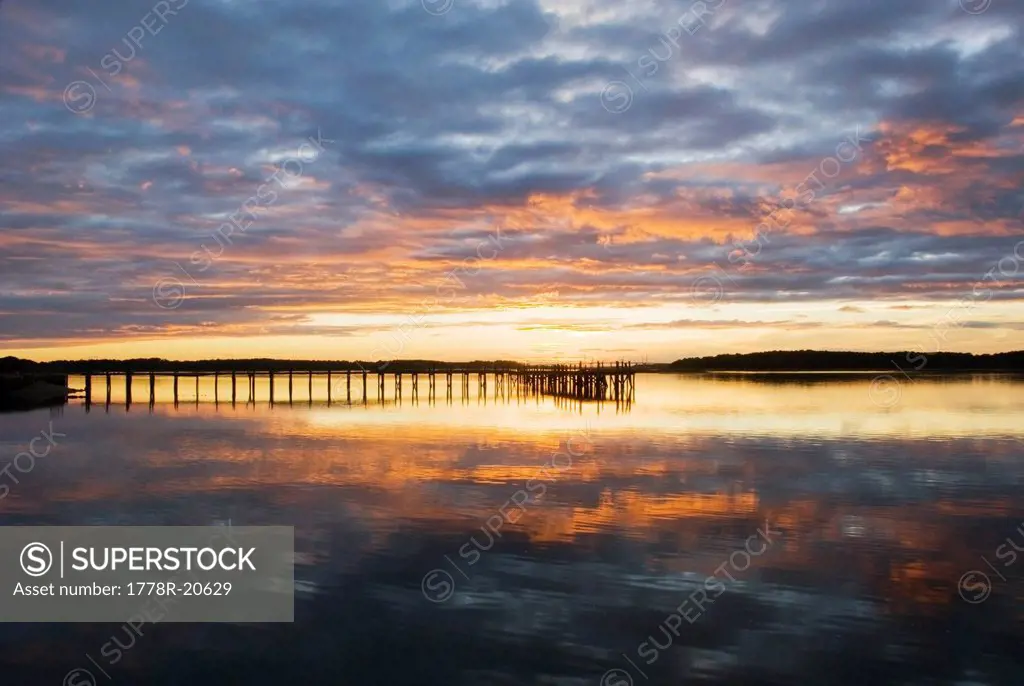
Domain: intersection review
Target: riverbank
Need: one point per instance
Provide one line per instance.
(784, 361)
(18, 392)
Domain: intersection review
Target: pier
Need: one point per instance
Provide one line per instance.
(569, 384)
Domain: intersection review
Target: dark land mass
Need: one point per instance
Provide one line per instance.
(26, 392)
(796, 361)
(14, 365)
(826, 361)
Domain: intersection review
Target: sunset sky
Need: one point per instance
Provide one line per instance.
(521, 180)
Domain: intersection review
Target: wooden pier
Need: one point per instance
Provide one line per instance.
(593, 383)
(579, 384)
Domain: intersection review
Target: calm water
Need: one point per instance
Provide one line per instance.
(717, 531)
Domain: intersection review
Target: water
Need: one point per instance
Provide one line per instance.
(832, 521)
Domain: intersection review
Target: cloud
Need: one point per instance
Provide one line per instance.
(445, 129)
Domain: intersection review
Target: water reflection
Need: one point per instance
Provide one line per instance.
(879, 511)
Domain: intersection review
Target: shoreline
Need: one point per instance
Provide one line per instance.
(805, 362)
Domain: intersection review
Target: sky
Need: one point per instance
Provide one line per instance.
(537, 180)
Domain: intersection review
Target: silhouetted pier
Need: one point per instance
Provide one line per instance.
(575, 383)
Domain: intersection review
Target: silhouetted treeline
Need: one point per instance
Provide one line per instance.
(827, 361)
(14, 365)
(774, 361)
